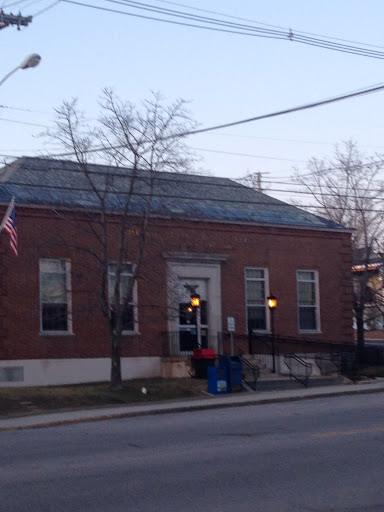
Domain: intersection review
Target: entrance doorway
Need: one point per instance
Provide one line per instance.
(188, 339)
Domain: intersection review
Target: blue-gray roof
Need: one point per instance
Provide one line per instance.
(61, 183)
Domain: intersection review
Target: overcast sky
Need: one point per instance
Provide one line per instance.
(225, 76)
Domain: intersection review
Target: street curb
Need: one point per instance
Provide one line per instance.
(191, 408)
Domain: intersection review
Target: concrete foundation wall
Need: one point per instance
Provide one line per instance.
(282, 368)
(50, 372)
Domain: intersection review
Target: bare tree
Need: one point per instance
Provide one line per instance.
(253, 180)
(348, 189)
(139, 141)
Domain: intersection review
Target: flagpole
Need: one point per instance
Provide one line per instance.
(7, 213)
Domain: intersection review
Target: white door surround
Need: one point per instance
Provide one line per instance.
(182, 267)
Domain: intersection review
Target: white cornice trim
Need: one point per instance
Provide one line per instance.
(205, 257)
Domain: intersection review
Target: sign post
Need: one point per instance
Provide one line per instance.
(231, 330)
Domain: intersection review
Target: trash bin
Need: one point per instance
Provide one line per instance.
(217, 380)
(202, 359)
(235, 371)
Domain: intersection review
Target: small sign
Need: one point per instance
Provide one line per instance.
(231, 324)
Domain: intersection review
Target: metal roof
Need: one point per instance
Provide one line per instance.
(61, 183)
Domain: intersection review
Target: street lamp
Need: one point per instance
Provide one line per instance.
(30, 62)
(195, 300)
(272, 303)
(195, 303)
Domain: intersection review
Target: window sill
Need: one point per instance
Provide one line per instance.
(56, 333)
(131, 333)
(310, 331)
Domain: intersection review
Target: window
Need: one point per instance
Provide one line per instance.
(307, 298)
(255, 294)
(126, 278)
(55, 296)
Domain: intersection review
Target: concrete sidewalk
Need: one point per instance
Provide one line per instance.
(210, 402)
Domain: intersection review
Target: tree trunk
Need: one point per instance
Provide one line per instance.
(116, 381)
(360, 334)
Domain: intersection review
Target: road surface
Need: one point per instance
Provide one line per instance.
(322, 455)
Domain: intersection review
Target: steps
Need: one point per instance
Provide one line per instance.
(269, 381)
(285, 382)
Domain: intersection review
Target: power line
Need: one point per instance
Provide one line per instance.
(178, 197)
(23, 109)
(18, 2)
(33, 2)
(49, 7)
(298, 141)
(189, 179)
(278, 139)
(361, 92)
(329, 194)
(267, 24)
(173, 22)
(335, 99)
(247, 155)
(279, 34)
(23, 122)
(231, 27)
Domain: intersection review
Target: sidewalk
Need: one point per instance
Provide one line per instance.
(210, 402)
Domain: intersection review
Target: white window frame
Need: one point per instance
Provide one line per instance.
(68, 280)
(266, 293)
(317, 299)
(133, 302)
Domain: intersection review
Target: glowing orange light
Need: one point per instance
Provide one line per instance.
(195, 301)
(272, 302)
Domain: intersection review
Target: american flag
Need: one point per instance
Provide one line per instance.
(10, 225)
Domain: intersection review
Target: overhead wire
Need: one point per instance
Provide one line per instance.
(33, 2)
(23, 109)
(23, 122)
(48, 8)
(173, 22)
(191, 7)
(11, 4)
(191, 179)
(263, 157)
(360, 92)
(178, 197)
(287, 33)
(235, 28)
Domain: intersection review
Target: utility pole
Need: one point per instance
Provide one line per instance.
(14, 19)
(259, 182)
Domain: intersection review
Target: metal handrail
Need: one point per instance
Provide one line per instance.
(306, 366)
(328, 363)
(255, 372)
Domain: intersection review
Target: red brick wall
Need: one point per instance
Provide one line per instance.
(281, 251)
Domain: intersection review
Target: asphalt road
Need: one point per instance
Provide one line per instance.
(323, 455)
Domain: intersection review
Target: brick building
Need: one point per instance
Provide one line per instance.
(233, 244)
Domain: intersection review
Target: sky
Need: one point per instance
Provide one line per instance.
(226, 77)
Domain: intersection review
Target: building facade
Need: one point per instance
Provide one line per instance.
(233, 245)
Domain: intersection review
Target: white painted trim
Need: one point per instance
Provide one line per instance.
(196, 270)
(267, 292)
(203, 257)
(317, 293)
(68, 284)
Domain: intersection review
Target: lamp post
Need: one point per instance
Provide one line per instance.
(30, 62)
(195, 303)
(272, 303)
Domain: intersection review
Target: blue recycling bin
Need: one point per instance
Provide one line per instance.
(235, 371)
(217, 380)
